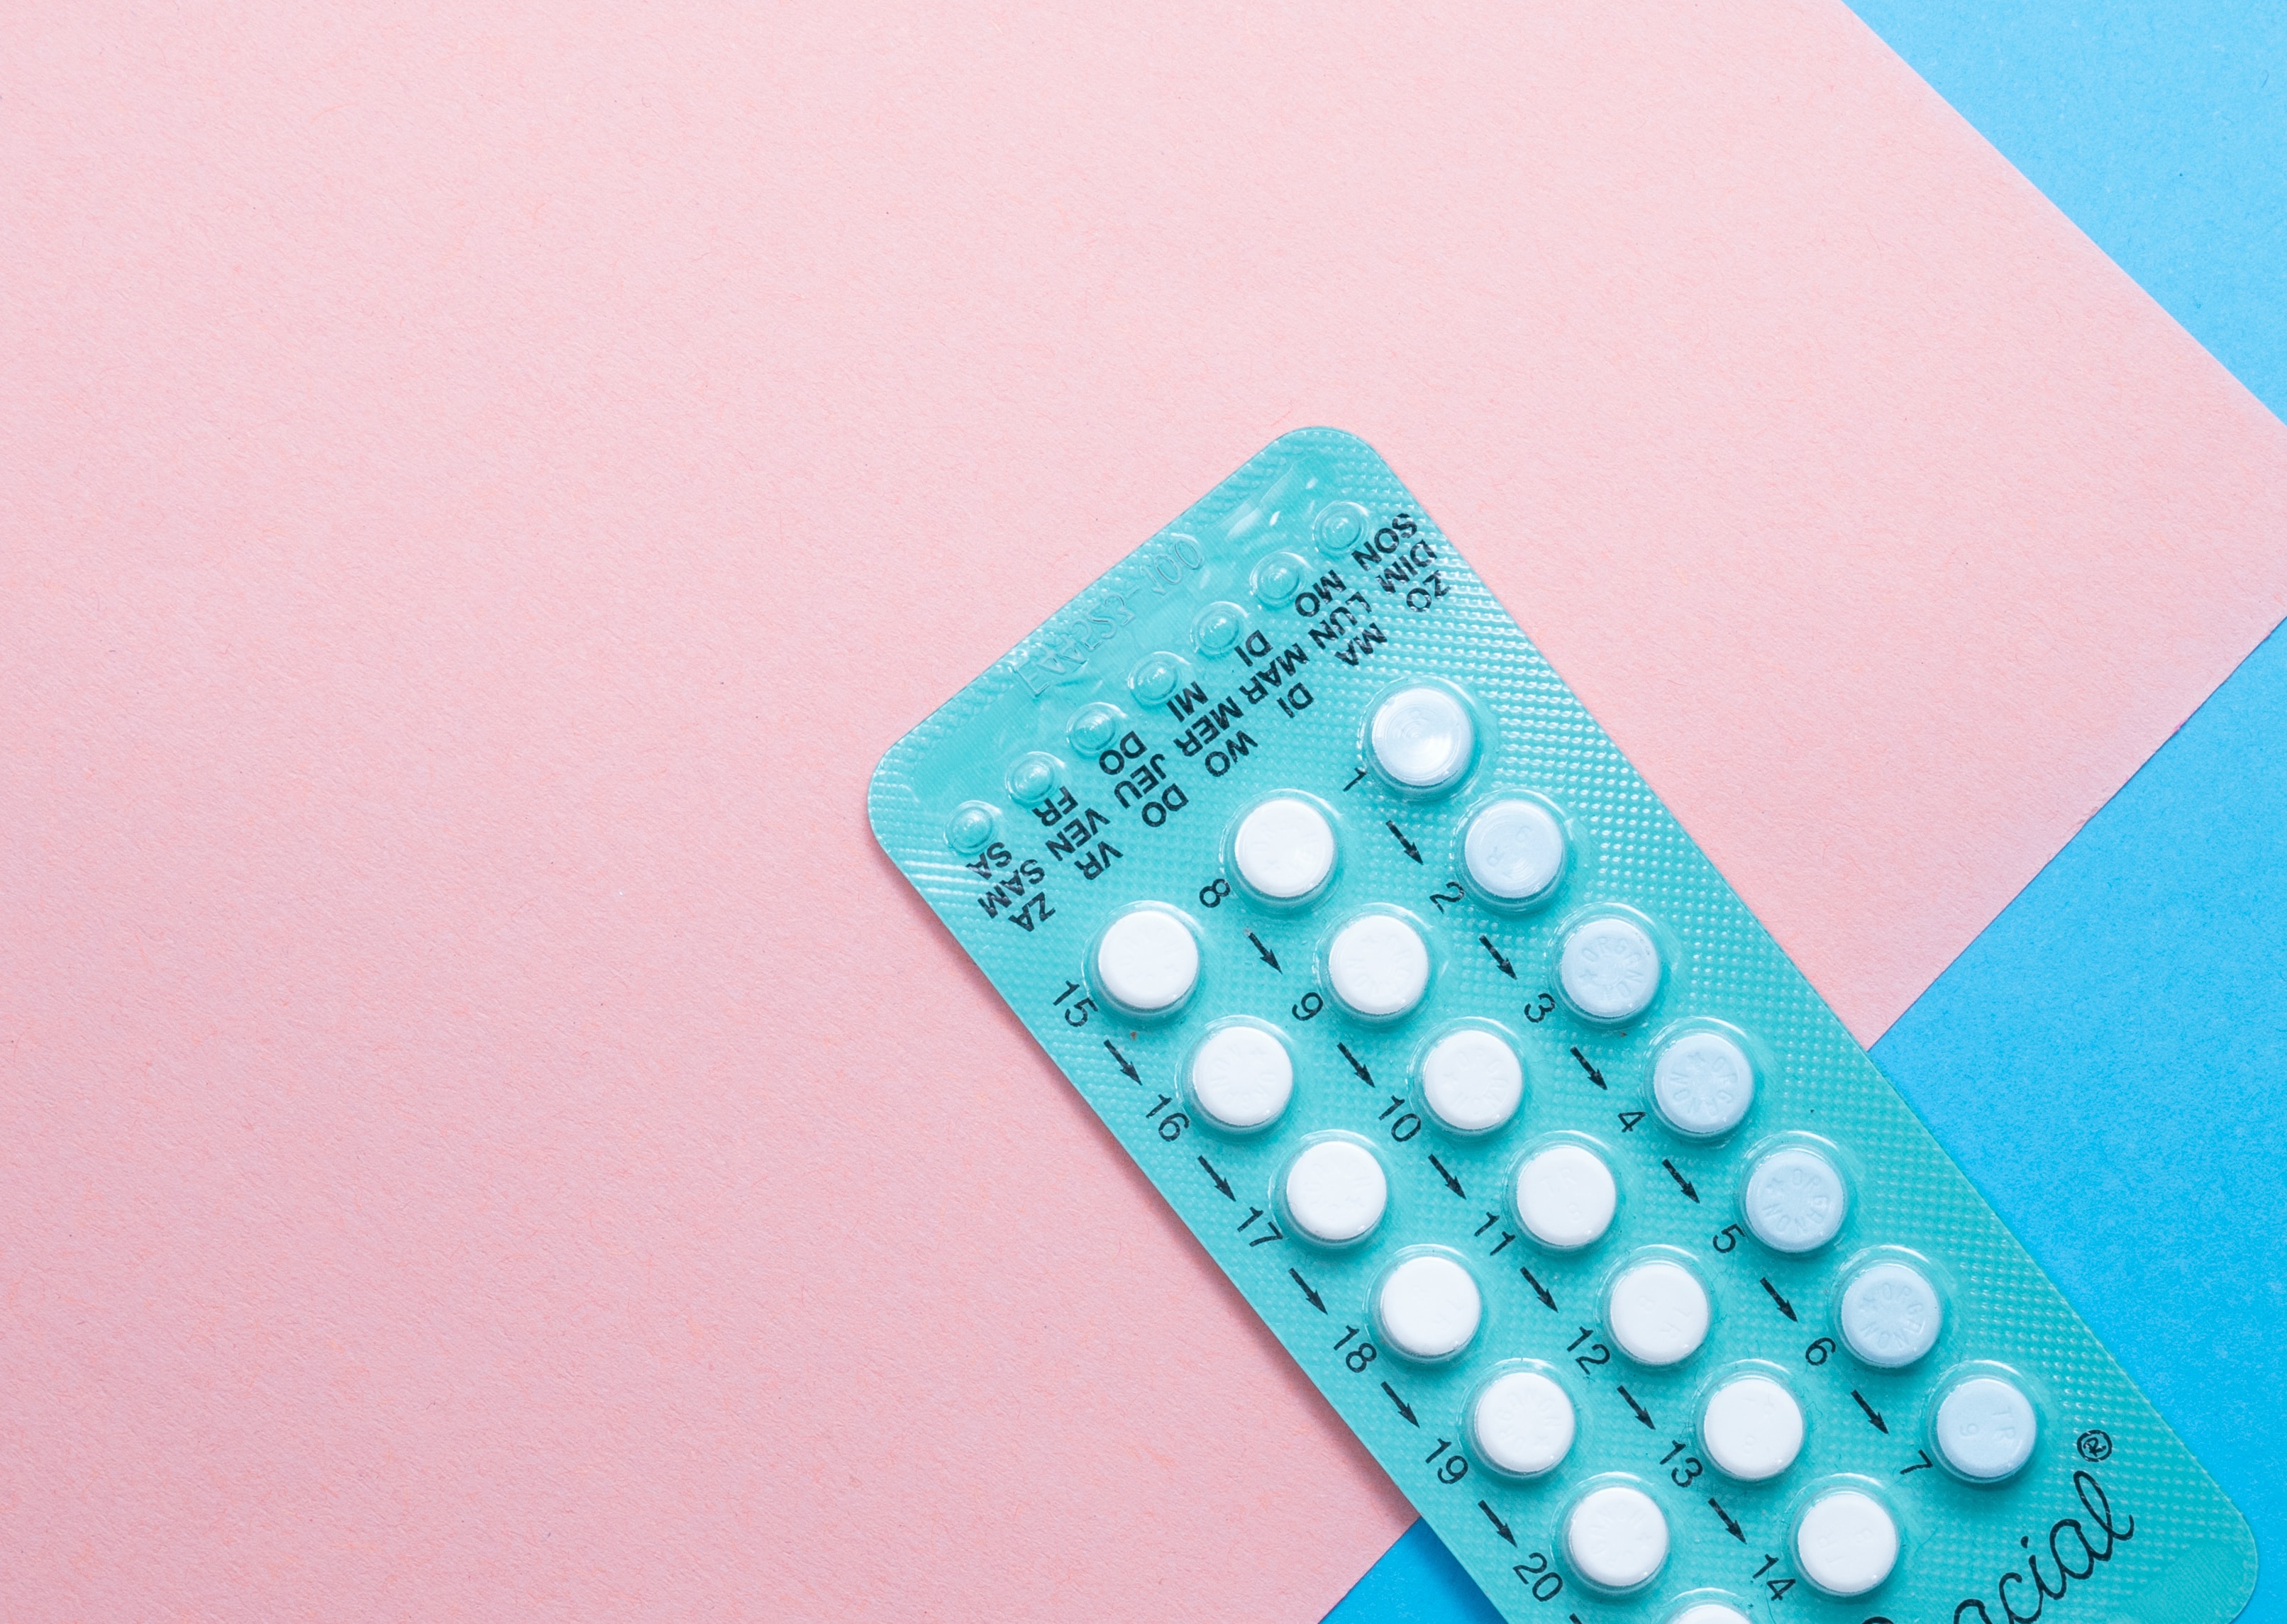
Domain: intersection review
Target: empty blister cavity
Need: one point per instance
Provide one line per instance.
(1216, 629)
(1796, 1199)
(1147, 961)
(1241, 1076)
(1657, 1311)
(1702, 1083)
(1565, 1196)
(1522, 1424)
(1513, 851)
(971, 827)
(1033, 777)
(1615, 1537)
(1846, 1541)
(1378, 966)
(1277, 579)
(1471, 1080)
(1428, 1307)
(1609, 968)
(1751, 1428)
(1422, 738)
(1283, 849)
(1985, 1427)
(1890, 1314)
(1156, 676)
(1094, 727)
(1335, 1191)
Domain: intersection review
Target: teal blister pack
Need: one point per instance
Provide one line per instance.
(1564, 1187)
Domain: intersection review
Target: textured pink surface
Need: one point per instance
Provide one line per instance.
(484, 1134)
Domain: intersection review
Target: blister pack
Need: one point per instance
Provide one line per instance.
(1564, 1187)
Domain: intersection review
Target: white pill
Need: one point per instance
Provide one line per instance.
(1522, 1424)
(1710, 1612)
(1513, 850)
(1148, 961)
(1284, 849)
(1985, 1428)
(1428, 1307)
(1658, 1312)
(1703, 1084)
(1845, 1544)
(1751, 1429)
(1472, 1080)
(1335, 1191)
(1422, 738)
(1565, 1196)
(1795, 1200)
(1610, 968)
(1891, 1316)
(1242, 1076)
(1617, 1538)
(1378, 966)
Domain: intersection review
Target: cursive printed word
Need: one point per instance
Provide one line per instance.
(2083, 1550)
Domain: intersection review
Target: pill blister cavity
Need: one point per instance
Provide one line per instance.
(1032, 777)
(1702, 1084)
(1610, 968)
(1216, 629)
(1283, 849)
(1985, 1428)
(1846, 1543)
(1242, 1077)
(1093, 728)
(1796, 1200)
(1336, 1192)
(969, 829)
(1522, 1424)
(1616, 1537)
(1339, 527)
(1751, 1429)
(1471, 1081)
(1277, 579)
(1147, 961)
(1378, 966)
(1565, 1196)
(1891, 1316)
(1428, 1307)
(1658, 1311)
(1514, 851)
(1422, 738)
(1156, 678)
(1710, 1612)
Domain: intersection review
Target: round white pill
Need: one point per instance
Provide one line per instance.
(1513, 850)
(1284, 849)
(1985, 1428)
(1658, 1312)
(1751, 1429)
(1422, 738)
(1615, 1537)
(1472, 1080)
(1148, 961)
(1891, 1316)
(1846, 1544)
(1378, 966)
(1336, 1191)
(1610, 968)
(1565, 1196)
(1522, 1424)
(1710, 1612)
(1703, 1084)
(1242, 1076)
(1428, 1307)
(1795, 1200)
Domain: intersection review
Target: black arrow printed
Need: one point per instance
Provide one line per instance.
(1538, 1290)
(1738, 1532)
(1872, 1413)
(1357, 1065)
(1642, 1414)
(1316, 1301)
(1221, 1183)
(1451, 1183)
(1500, 1527)
(1269, 957)
(1681, 1183)
(1412, 850)
(1127, 1066)
(1595, 1075)
(1785, 1307)
(1506, 968)
(1404, 1409)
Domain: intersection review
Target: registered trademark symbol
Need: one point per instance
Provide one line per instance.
(2095, 1444)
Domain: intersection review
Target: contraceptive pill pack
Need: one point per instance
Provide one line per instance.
(1569, 1192)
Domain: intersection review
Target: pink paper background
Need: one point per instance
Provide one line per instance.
(484, 1134)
